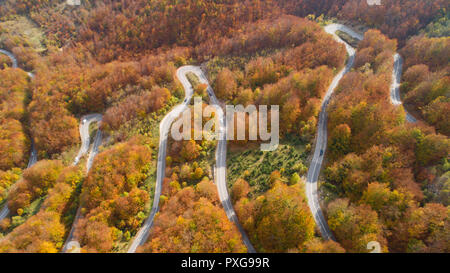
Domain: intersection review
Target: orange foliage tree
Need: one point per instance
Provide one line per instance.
(192, 221)
(113, 196)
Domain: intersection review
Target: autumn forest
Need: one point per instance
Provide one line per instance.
(86, 158)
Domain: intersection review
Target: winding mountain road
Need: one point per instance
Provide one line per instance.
(221, 152)
(84, 134)
(164, 127)
(321, 140)
(85, 143)
(221, 162)
(220, 170)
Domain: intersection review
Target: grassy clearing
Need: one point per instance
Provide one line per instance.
(25, 29)
(255, 166)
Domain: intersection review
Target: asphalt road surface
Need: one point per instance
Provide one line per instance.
(221, 151)
(85, 143)
(220, 171)
(221, 162)
(11, 56)
(395, 85)
(164, 127)
(84, 134)
(321, 140)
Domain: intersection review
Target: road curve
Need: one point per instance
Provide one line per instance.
(321, 140)
(164, 127)
(84, 134)
(221, 162)
(85, 143)
(33, 155)
(395, 86)
(11, 56)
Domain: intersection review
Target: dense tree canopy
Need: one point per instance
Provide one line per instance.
(379, 162)
(113, 197)
(14, 141)
(354, 226)
(426, 81)
(45, 232)
(36, 182)
(192, 221)
(279, 220)
(119, 58)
